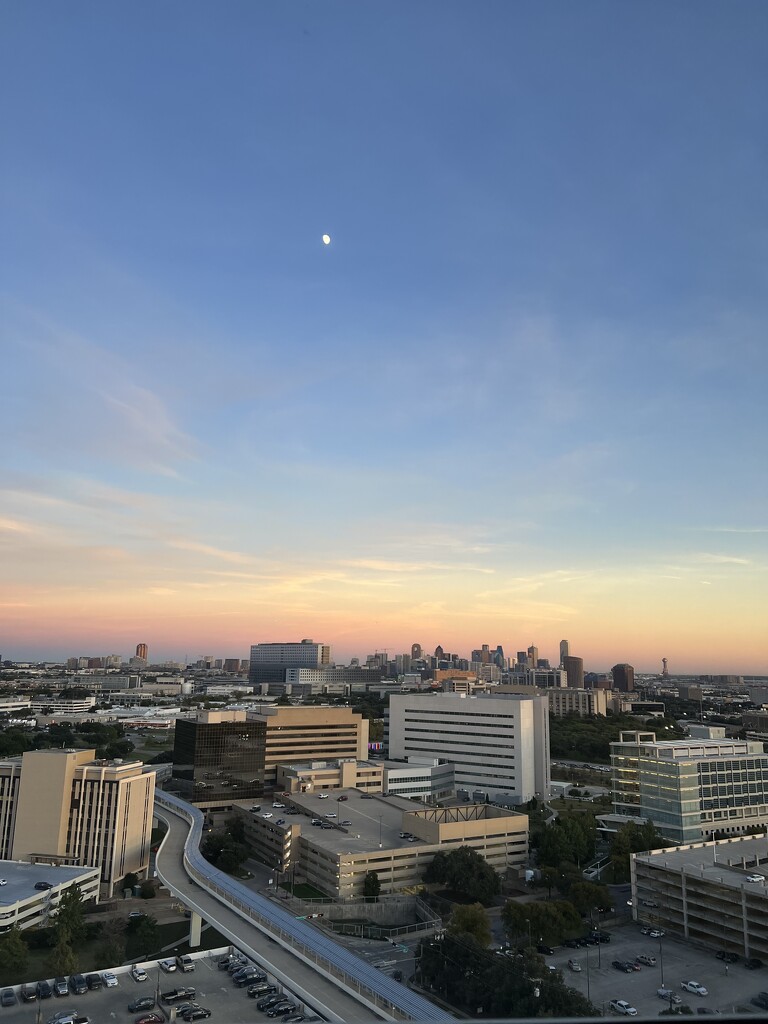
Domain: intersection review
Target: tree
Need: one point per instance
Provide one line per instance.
(586, 896)
(465, 871)
(437, 869)
(148, 889)
(548, 922)
(549, 878)
(62, 959)
(14, 954)
(129, 881)
(471, 920)
(144, 937)
(69, 918)
(372, 886)
(112, 936)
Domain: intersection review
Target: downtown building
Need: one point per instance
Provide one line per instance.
(690, 788)
(269, 662)
(66, 807)
(499, 745)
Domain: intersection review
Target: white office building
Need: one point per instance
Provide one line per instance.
(499, 744)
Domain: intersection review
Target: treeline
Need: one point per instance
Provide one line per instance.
(108, 740)
(590, 738)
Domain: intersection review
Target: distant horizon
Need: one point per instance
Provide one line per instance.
(53, 655)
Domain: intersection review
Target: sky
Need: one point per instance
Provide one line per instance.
(520, 397)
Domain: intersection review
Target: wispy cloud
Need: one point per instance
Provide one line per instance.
(707, 558)
(237, 557)
(385, 565)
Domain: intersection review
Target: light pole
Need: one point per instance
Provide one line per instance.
(661, 963)
(380, 817)
(530, 944)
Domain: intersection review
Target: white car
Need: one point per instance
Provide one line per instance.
(167, 965)
(331, 815)
(138, 973)
(3, 881)
(574, 965)
(749, 878)
(268, 814)
(277, 803)
(694, 987)
(323, 796)
(622, 1006)
(109, 979)
(656, 933)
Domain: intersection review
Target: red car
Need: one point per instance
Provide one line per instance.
(150, 1018)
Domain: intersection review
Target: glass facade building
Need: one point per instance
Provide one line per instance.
(220, 760)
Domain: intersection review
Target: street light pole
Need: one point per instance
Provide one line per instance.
(380, 817)
(661, 963)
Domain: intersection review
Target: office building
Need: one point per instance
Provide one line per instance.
(219, 757)
(701, 892)
(564, 652)
(498, 744)
(23, 906)
(142, 651)
(565, 701)
(223, 756)
(533, 656)
(67, 807)
(270, 660)
(623, 678)
(690, 788)
(574, 672)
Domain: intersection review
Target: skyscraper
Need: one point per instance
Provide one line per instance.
(142, 651)
(533, 656)
(574, 671)
(623, 678)
(564, 652)
(416, 652)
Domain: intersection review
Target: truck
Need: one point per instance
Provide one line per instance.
(177, 994)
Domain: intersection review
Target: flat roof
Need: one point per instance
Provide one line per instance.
(372, 818)
(726, 861)
(21, 878)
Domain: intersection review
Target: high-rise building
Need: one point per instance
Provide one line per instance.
(416, 652)
(69, 806)
(270, 660)
(574, 671)
(498, 744)
(533, 656)
(564, 652)
(623, 678)
(690, 788)
(142, 651)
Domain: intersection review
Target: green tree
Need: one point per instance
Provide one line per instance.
(437, 869)
(129, 881)
(464, 871)
(549, 879)
(148, 889)
(69, 917)
(549, 922)
(372, 886)
(62, 959)
(471, 920)
(232, 856)
(112, 935)
(145, 937)
(14, 953)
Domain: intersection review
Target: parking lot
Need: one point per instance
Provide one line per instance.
(214, 989)
(676, 962)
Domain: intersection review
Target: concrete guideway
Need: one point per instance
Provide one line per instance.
(339, 984)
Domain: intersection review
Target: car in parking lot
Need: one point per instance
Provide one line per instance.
(260, 988)
(94, 982)
(142, 1003)
(44, 990)
(694, 987)
(150, 1018)
(623, 1007)
(574, 965)
(649, 903)
(669, 995)
(198, 1013)
(167, 965)
(545, 950)
(43, 885)
(346, 822)
(755, 878)
(8, 997)
(657, 933)
(761, 1000)
(110, 979)
(268, 1001)
(280, 1008)
(729, 958)
(293, 1018)
(138, 973)
(621, 965)
(323, 796)
(60, 986)
(752, 963)
(647, 959)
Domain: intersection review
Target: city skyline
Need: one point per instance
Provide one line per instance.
(518, 394)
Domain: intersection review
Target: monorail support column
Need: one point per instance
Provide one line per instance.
(195, 925)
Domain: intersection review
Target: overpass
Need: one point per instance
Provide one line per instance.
(341, 985)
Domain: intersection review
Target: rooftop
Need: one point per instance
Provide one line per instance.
(21, 878)
(727, 861)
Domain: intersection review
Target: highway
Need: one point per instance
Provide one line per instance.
(338, 984)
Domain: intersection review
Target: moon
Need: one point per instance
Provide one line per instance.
(326, 239)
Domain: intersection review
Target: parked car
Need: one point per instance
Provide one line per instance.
(167, 965)
(620, 965)
(280, 1008)
(150, 1018)
(647, 959)
(669, 994)
(110, 979)
(657, 933)
(94, 982)
(694, 987)
(29, 993)
(44, 990)
(545, 950)
(267, 1001)
(185, 963)
(43, 885)
(60, 986)
(293, 1018)
(571, 943)
(346, 822)
(755, 878)
(622, 1006)
(261, 988)
(574, 965)
(199, 1013)
(752, 963)
(8, 997)
(761, 1000)
(138, 973)
(729, 958)
(77, 984)
(649, 903)
(178, 995)
(142, 1003)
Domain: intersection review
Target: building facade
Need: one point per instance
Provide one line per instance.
(690, 788)
(219, 757)
(68, 807)
(498, 744)
(269, 661)
(623, 678)
(574, 671)
(567, 701)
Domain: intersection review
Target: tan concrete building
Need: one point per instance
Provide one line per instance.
(577, 702)
(67, 807)
(334, 843)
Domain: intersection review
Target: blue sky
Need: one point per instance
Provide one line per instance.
(520, 397)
